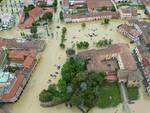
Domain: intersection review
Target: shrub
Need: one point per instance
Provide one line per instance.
(62, 45)
(47, 16)
(45, 96)
(82, 45)
(70, 52)
(83, 25)
(61, 15)
(64, 30)
(103, 42)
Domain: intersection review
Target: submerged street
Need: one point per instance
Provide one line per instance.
(54, 55)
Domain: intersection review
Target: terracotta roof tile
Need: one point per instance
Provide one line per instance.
(99, 3)
(29, 61)
(15, 88)
(36, 12)
(111, 78)
(18, 54)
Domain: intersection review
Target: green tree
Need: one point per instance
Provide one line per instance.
(45, 96)
(27, 9)
(61, 15)
(113, 8)
(82, 45)
(47, 16)
(62, 86)
(64, 30)
(70, 52)
(55, 5)
(33, 30)
(62, 45)
(72, 67)
(106, 21)
(36, 23)
(83, 25)
(42, 4)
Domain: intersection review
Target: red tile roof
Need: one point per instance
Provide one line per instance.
(20, 55)
(15, 88)
(111, 78)
(99, 3)
(29, 22)
(36, 12)
(29, 61)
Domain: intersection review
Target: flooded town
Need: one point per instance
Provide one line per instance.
(74, 56)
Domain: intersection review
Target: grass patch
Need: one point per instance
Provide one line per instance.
(109, 96)
(133, 93)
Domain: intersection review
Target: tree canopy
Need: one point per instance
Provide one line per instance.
(106, 21)
(61, 16)
(28, 8)
(47, 16)
(33, 29)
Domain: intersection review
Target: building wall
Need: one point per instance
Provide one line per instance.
(87, 18)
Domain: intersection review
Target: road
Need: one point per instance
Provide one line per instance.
(124, 96)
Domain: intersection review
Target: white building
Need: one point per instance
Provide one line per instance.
(128, 13)
(7, 21)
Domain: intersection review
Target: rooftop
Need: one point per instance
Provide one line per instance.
(129, 11)
(145, 2)
(94, 4)
(15, 88)
(145, 28)
(130, 29)
(130, 75)
(38, 45)
(120, 52)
